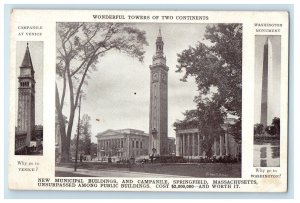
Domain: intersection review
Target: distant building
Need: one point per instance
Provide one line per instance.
(190, 140)
(28, 136)
(122, 144)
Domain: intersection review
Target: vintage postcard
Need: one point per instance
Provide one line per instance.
(191, 101)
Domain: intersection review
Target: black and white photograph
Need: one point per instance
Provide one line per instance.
(29, 104)
(148, 100)
(267, 101)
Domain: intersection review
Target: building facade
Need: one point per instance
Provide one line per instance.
(158, 121)
(122, 144)
(189, 143)
(26, 105)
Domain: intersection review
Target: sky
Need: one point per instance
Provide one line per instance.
(36, 53)
(118, 93)
(274, 83)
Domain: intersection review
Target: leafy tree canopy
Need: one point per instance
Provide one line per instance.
(216, 65)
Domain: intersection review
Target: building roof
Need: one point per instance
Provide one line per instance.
(127, 131)
(27, 59)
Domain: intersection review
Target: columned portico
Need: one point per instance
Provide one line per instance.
(189, 141)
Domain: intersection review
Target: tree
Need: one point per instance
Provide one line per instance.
(86, 134)
(207, 118)
(80, 47)
(270, 129)
(274, 128)
(210, 120)
(217, 68)
(94, 149)
(258, 129)
(84, 141)
(236, 130)
(276, 124)
(191, 120)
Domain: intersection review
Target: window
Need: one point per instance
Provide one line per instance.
(137, 144)
(121, 143)
(132, 144)
(141, 145)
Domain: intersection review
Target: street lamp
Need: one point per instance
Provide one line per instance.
(154, 132)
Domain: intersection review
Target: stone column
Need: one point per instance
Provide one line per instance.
(193, 144)
(221, 145)
(226, 145)
(198, 136)
(177, 144)
(186, 144)
(183, 145)
(189, 145)
(203, 140)
(186, 137)
(98, 149)
(128, 147)
(215, 147)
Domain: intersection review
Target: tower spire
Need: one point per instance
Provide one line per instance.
(159, 33)
(267, 41)
(27, 58)
(159, 44)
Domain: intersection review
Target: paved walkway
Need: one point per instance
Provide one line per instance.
(113, 173)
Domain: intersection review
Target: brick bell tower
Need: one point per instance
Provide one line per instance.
(158, 122)
(26, 97)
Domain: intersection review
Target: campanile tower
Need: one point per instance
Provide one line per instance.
(158, 122)
(26, 97)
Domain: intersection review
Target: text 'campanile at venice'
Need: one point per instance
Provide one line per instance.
(158, 123)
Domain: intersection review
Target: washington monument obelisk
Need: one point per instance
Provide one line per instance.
(266, 82)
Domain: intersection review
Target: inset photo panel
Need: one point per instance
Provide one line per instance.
(267, 101)
(29, 104)
(134, 101)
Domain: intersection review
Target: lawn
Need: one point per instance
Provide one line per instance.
(207, 170)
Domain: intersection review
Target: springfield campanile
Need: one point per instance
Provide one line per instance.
(158, 122)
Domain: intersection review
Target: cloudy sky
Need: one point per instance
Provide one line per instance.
(36, 53)
(118, 93)
(274, 77)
